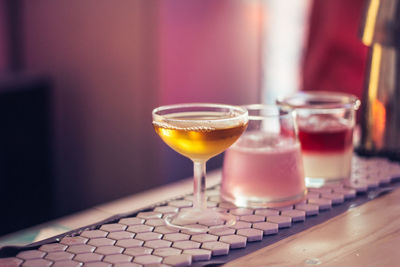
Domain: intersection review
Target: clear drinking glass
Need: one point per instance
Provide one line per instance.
(326, 122)
(199, 131)
(264, 167)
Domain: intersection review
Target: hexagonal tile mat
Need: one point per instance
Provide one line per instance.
(143, 239)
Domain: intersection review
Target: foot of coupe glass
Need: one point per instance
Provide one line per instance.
(200, 220)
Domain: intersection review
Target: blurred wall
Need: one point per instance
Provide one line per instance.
(112, 62)
(3, 37)
(101, 55)
(209, 52)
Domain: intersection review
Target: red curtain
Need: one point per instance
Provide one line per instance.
(335, 58)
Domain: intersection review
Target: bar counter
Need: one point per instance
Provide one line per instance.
(366, 235)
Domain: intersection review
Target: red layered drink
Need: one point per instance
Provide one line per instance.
(326, 122)
(327, 146)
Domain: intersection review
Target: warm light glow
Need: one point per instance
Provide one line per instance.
(372, 13)
(254, 14)
(379, 118)
(373, 89)
(375, 69)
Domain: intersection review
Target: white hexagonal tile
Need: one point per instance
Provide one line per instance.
(131, 221)
(165, 230)
(149, 215)
(165, 252)
(310, 209)
(31, 254)
(67, 263)
(217, 248)
(37, 263)
(59, 256)
(241, 225)
(241, 211)
(176, 237)
(178, 260)
(220, 231)
(53, 247)
(187, 244)
(109, 250)
(227, 205)
(267, 227)
(252, 218)
(113, 227)
(201, 238)
(88, 257)
(180, 203)
(266, 212)
(117, 258)
(166, 209)
(76, 240)
(147, 259)
(10, 262)
(334, 197)
(296, 215)
(138, 251)
(94, 233)
(98, 264)
(129, 243)
(155, 222)
(282, 221)
(140, 228)
(157, 244)
(251, 234)
(234, 241)
(197, 228)
(323, 204)
(348, 193)
(148, 236)
(77, 249)
(121, 235)
(127, 264)
(103, 241)
(198, 254)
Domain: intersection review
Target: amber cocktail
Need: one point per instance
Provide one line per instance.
(199, 132)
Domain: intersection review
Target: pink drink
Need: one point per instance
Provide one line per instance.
(260, 170)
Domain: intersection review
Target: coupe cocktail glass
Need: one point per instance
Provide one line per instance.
(199, 131)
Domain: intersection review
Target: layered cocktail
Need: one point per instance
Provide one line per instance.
(326, 122)
(327, 146)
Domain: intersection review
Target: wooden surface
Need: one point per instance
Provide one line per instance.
(368, 235)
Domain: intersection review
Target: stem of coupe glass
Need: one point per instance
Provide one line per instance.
(199, 194)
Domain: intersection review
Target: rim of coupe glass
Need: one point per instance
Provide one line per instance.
(242, 115)
(282, 111)
(334, 100)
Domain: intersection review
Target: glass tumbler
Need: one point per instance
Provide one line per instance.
(264, 167)
(326, 122)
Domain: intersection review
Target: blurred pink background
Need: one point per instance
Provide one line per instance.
(111, 63)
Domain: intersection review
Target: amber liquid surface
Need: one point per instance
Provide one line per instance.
(199, 136)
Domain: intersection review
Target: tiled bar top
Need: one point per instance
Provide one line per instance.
(144, 240)
(104, 211)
